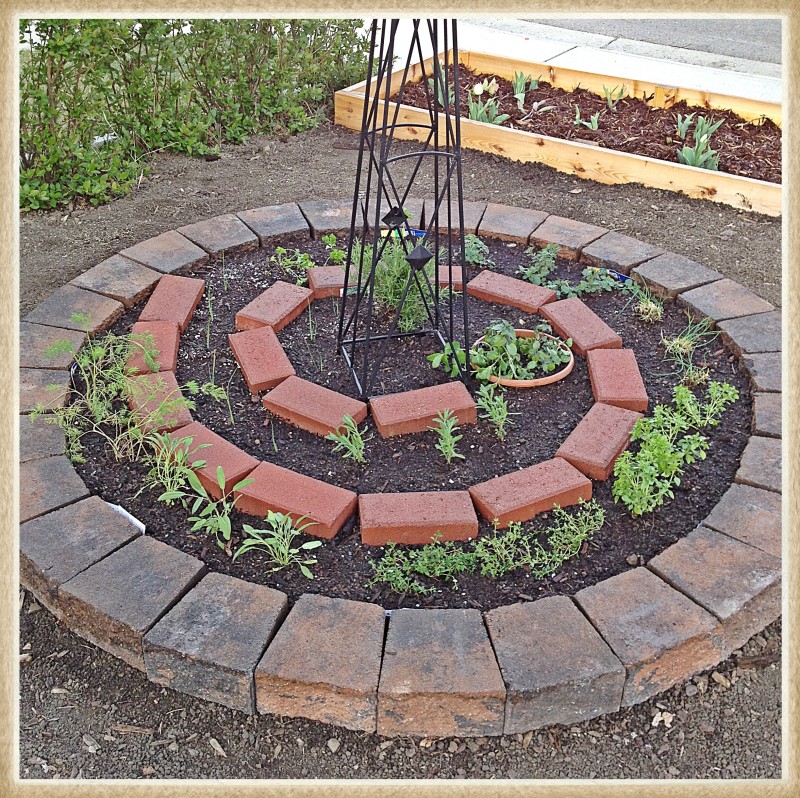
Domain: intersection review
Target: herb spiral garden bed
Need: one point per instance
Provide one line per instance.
(628, 631)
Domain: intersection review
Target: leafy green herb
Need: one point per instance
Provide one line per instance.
(493, 405)
(476, 252)
(349, 440)
(445, 425)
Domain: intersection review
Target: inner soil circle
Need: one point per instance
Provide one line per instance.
(545, 416)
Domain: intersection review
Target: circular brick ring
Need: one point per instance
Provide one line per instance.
(432, 672)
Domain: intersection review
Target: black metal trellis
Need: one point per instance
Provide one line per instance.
(379, 202)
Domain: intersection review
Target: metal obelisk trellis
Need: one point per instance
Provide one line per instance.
(379, 212)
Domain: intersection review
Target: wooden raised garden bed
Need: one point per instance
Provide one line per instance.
(585, 159)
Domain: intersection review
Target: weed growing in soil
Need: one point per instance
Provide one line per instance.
(642, 481)
(276, 542)
(494, 407)
(476, 252)
(296, 264)
(445, 425)
(349, 440)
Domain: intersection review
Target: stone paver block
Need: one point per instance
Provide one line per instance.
(670, 274)
(326, 281)
(444, 277)
(216, 452)
(156, 401)
(737, 583)
(324, 662)
(45, 387)
(723, 299)
(326, 506)
(556, 667)
(38, 439)
(570, 235)
(571, 318)
(174, 299)
(119, 278)
(274, 220)
(47, 484)
(60, 309)
(761, 464)
(166, 337)
(261, 358)
(616, 379)
(619, 252)
(439, 676)
(114, 602)
(765, 371)
(225, 233)
(416, 518)
(325, 215)
(473, 212)
(600, 437)
(167, 253)
(509, 223)
(751, 515)
(34, 339)
(752, 334)
(312, 407)
(55, 547)
(520, 495)
(209, 643)
(660, 636)
(415, 411)
(280, 304)
(767, 414)
(503, 290)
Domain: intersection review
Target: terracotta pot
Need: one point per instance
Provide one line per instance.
(539, 381)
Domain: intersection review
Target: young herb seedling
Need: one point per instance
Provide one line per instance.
(445, 425)
(296, 264)
(494, 407)
(452, 358)
(476, 252)
(348, 439)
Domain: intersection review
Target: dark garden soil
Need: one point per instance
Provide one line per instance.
(410, 463)
(745, 148)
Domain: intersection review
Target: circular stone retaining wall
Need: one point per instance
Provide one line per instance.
(426, 672)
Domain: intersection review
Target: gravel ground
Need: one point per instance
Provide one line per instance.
(86, 715)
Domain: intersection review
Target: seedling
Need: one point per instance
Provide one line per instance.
(277, 543)
(613, 96)
(210, 318)
(680, 350)
(494, 407)
(336, 256)
(445, 425)
(296, 264)
(349, 440)
(453, 359)
(170, 461)
(476, 252)
(648, 308)
(592, 124)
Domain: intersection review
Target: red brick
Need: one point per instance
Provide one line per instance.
(765, 371)
(556, 667)
(236, 464)
(439, 676)
(209, 644)
(752, 334)
(504, 290)
(276, 307)
(114, 602)
(415, 411)
(509, 223)
(473, 212)
(601, 436)
(174, 299)
(326, 281)
(737, 583)
(166, 339)
(761, 464)
(767, 414)
(153, 400)
(225, 233)
(416, 518)
(166, 253)
(273, 220)
(660, 636)
(261, 358)
(34, 339)
(751, 515)
(670, 274)
(324, 215)
(119, 278)
(619, 252)
(723, 299)
(615, 378)
(444, 277)
(571, 318)
(570, 235)
(311, 407)
(58, 309)
(324, 662)
(521, 495)
(48, 387)
(39, 439)
(47, 484)
(281, 490)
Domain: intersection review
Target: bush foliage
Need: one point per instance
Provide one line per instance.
(147, 85)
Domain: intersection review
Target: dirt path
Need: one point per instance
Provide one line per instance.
(112, 723)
